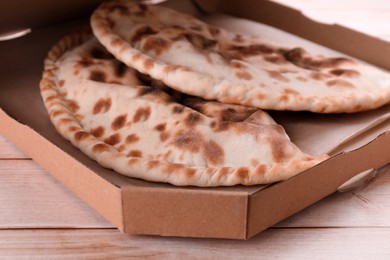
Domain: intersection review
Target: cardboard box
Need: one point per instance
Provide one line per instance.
(140, 207)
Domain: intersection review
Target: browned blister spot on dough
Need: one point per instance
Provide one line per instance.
(190, 172)
(153, 164)
(174, 168)
(243, 75)
(98, 76)
(199, 41)
(177, 109)
(102, 106)
(79, 117)
(302, 79)
(213, 153)
(61, 83)
(135, 153)
(122, 147)
(358, 107)
(237, 65)
(132, 138)
(192, 119)
(260, 169)
(336, 62)
(142, 114)
(301, 58)
(172, 68)
(277, 75)
(190, 141)
(98, 131)
(113, 139)
(65, 121)
(318, 76)
(73, 128)
(85, 62)
(345, 73)
(242, 172)
(339, 83)
(99, 148)
(221, 126)
(164, 136)
(278, 147)
(117, 43)
(276, 59)
(284, 98)
(73, 106)
(119, 122)
(156, 44)
(261, 96)
(223, 172)
(254, 162)
(290, 91)
(252, 50)
(148, 64)
(142, 32)
(80, 135)
(136, 57)
(160, 127)
(51, 98)
(133, 160)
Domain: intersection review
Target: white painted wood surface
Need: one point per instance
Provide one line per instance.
(39, 218)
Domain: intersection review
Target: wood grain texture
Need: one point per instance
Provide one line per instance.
(330, 243)
(30, 197)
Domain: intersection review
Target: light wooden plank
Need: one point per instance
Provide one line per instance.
(9, 150)
(30, 197)
(351, 243)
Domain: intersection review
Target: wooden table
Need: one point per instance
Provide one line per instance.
(39, 218)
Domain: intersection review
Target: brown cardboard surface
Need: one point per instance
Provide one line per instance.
(141, 207)
(199, 212)
(315, 183)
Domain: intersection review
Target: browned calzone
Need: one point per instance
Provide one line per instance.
(198, 59)
(103, 108)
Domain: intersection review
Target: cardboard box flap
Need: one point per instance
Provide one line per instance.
(369, 49)
(186, 211)
(314, 183)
